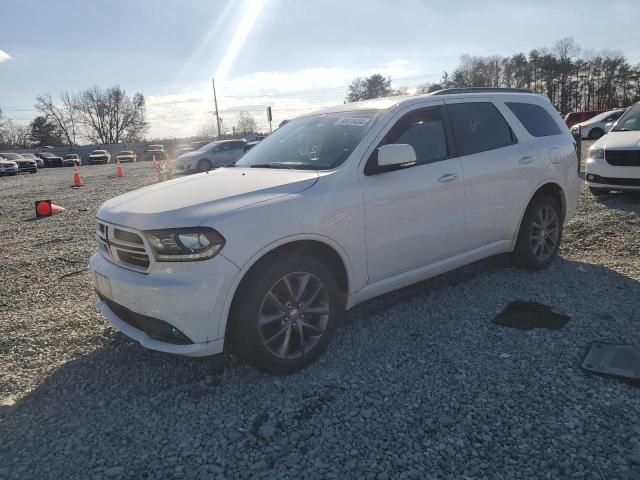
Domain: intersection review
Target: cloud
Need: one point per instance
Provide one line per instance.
(288, 93)
(4, 56)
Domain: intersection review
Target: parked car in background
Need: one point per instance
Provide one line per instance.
(594, 128)
(184, 148)
(342, 205)
(71, 160)
(25, 165)
(31, 156)
(50, 159)
(212, 155)
(126, 156)
(156, 151)
(8, 167)
(249, 145)
(577, 117)
(613, 162)
(99, 156)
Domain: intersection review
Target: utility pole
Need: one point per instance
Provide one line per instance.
(215, 101)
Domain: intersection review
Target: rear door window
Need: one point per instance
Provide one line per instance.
(535, 119)
(479, 127)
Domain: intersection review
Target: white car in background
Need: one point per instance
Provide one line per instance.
(213, 155)
(596, 126)
(613, 162)
(336, 207)
(99, 156)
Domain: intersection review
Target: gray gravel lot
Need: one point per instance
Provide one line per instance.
(417, 384)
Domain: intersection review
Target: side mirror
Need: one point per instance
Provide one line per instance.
(609, 126)
(400, 154)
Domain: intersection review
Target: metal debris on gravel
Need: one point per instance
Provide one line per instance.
(416, 384)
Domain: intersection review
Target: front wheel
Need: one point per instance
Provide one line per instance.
(286, 314)
(596, 133)
(540, 234)
(204, 165)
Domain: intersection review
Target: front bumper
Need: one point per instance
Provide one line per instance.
(9, 171)
(600, 174)
(189, 296)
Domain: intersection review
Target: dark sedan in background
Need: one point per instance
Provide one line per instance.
(50, 160)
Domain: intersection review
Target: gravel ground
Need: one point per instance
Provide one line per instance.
(417, 384)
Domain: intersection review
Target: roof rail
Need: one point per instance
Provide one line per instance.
(449, 91)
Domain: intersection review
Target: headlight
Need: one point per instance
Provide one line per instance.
(596, 153)
(185, 244)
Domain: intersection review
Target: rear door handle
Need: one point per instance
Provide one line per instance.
(448, 177)
(526, 160)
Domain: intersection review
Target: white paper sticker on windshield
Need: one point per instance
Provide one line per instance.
(353, 121)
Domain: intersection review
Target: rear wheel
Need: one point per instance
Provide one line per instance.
(596, 133)
(204, 165)
(540, 234)
(286, 314)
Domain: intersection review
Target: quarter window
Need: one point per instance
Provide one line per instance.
(479, 127)
(535, 119)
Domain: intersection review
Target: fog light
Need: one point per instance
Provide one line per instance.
(590, 177)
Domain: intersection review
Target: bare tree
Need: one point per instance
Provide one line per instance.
(246, 123)
(15, 136)
(63, 116)
(110, 116)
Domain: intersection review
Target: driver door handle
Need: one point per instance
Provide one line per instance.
(448, 177)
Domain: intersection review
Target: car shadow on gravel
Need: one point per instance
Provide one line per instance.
(87, 397)
(625, 201)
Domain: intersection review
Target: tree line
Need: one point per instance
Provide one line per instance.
(98, 115)
(572, 79)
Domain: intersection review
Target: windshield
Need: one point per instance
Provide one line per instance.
(71, 155)
(97, 152)
(126, 152)
(317, 142)
(630, 120)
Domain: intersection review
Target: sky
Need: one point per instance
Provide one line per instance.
(293, 55)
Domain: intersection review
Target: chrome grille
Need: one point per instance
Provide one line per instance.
(623, 158)
(123, 246)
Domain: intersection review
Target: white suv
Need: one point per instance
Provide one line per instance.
(334, 208)
(614, 160)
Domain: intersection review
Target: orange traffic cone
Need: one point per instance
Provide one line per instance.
(154, 164)
(77, 179)
(120, 171)
(44, 208)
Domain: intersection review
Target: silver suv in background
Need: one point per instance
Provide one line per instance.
(212, 155)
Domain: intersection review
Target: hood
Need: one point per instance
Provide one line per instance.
(191, 201)
(10, 162)
(98, 155)
(619, 141)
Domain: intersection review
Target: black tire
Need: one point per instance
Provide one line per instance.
(596, 133)
(596, 192)
(246, 334)
(204, 165)
(526, 253)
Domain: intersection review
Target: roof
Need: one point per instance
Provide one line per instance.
(387, 103)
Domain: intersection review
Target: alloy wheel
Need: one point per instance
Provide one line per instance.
(544, 233)
(294, 315)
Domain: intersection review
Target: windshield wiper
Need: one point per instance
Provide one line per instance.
(271, 165)
(623, 129)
